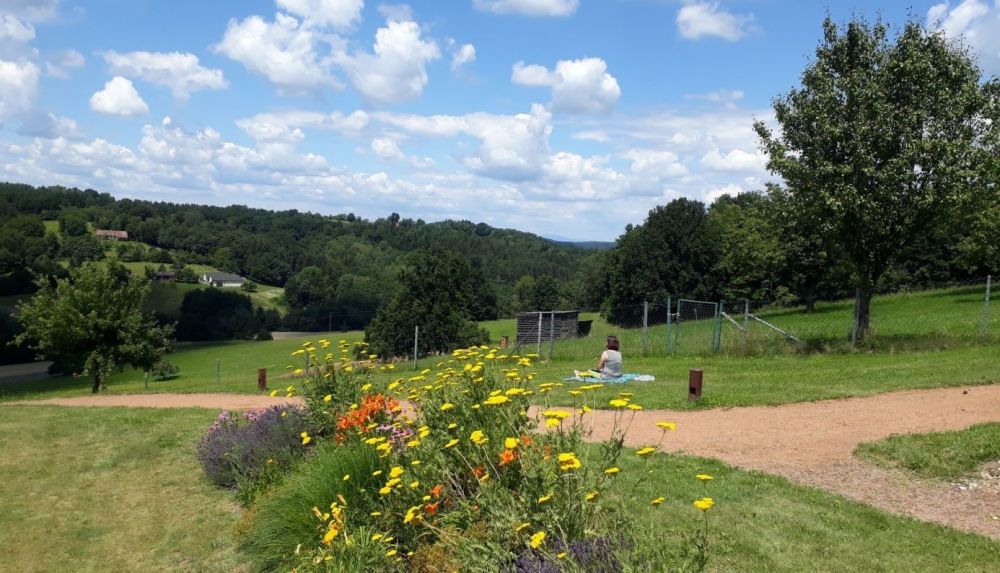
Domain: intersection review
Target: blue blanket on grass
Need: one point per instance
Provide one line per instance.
(616, 380)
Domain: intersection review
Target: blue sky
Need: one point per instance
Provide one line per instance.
(568, 118)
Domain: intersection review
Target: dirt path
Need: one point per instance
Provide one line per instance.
(808, 443)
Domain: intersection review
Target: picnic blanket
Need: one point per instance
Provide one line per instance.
(621, 379)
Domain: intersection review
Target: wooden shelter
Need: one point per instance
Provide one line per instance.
(557, 325)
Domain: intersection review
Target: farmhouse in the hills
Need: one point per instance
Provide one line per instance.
(109, 235)
(225, 280)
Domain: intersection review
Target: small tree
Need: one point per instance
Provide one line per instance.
(93, 322)
(880, 139)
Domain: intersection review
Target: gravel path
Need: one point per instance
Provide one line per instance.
(809, 443)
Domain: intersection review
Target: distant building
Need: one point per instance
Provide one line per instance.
(163, 275)
(225, 280)
(109, 235)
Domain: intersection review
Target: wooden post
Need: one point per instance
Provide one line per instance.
(695, 380)
(262, 379)
(218, 372)
(504, 341)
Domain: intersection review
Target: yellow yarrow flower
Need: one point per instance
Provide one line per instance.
(704, 503)
(510, 443)
(645, 451)
(305, 438)
(396, 472)
(704, 477)
(658, 501)
(451, 443)
(612, 471)
(591, 496)
(618, 403)
(447, 406)
(568, 461)
(496, 400)
(327, 398)
(478, 437)
(537, 539)
(546, 497)
(666, 425)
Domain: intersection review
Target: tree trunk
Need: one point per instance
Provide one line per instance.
(97, 382)
(864, 307)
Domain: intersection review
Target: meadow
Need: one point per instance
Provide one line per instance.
(937, 455)
(97, 489)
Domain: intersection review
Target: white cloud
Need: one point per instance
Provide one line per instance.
(976, 23)
(284, 52)
(578, 86)
(60, 64)
(386, 148)
(461, 55)
(398, 12)
(181, 72)
(731, 190)
(335, 13)
(529, 7)
(12, 29)
(350, 124)
(699, 19)
(119, 97)
(397, 70)
(735, 160)
(31, 10)
(656, 163)
(18, 87)
(49, 126)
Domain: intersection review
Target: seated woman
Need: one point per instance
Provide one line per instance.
(610, 363)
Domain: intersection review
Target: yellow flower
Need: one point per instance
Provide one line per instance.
(618, 403)
(298, 352)
(537, 539)
(704, 503)
(666, 425)
(496, 400)
(546, 497)
(327, 398)
(451, 443)
(704, 477)
(376, 514)
(510, 443)
(645, 451)
(522, 527)
(478, 437)
(612, 471)
(658, 501)
(447, 406)
(411, 514)
(591, 496)
(569, 461)
(386, 490)
(297, 372)
(557, 414)
(396, 472)
(552, 422)
(585, 409)
(562, 555)
(390, 553)
(634, 407)
(330, 534)
(413, 443)
(305, 438)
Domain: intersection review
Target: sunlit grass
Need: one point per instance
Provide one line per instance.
(937, 455)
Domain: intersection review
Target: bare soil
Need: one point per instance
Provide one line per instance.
(808, 443)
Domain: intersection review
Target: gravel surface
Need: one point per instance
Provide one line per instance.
(809, 443)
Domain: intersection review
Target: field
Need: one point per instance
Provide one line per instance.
(136, 500)
(938, 455)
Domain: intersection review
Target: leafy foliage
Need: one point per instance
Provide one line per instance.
(93, 322)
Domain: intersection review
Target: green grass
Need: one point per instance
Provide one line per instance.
(52, 227)
(117, 489)
(238, 363)
(936, 455)
(765, 523)
(165, 298)
(109, 489)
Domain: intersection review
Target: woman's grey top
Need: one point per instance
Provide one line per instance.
(612, 363)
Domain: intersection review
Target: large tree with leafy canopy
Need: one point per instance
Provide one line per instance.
(880, 139)
(93, 322)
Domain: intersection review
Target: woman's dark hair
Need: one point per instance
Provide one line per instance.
(612, 343)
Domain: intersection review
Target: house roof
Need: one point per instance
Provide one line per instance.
(222, 277)
(111, 233)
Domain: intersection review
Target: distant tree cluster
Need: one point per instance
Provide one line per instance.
(217, 314)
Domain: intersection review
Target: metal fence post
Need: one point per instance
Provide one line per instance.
(984, 328)
(669, 318)
(538, 346)
(746, 323)
(645, 327)
(552, 334)
(717, 335)
(416, 340)
(854, 320)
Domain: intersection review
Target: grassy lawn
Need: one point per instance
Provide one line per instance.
(99, 489)
(109, 490)
(52, 226)
(937, 455)
(238, 363)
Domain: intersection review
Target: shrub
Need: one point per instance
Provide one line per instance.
(163, 370)
(237, 448)
(284, 520)
(461, 479)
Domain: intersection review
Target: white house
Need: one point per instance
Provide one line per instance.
(226, 280)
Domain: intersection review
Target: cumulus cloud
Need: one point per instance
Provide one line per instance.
(181, 72)
(119, 97)
(49, 126)
(700, 19)
(578, 86)
(397, 69)
(349, 124)
(60, 64)
(283, 51)
(335, 13)
(31, 10)
(731, 190)
(461, 55)
(735, 160)
(18, 87)
(529, 7)
(12, 29)
(974, 22)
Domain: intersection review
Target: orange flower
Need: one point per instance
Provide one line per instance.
(507, 456)
(431, 508)
(478, 471)
(526, 441)
(436, 491)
